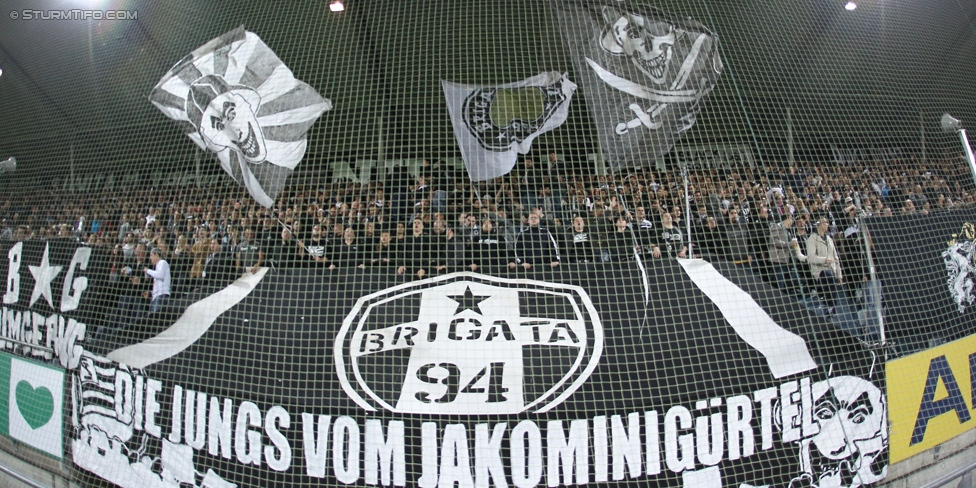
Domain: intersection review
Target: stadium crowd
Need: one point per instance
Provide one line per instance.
(791, 224)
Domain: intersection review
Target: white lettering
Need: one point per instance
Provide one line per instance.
(195, 419)
(123, 396)
(575, 448)
(13, 273)
(709, 434)
(315, 443)
(247, 442)
(742, 441)
(70, 301)
(153, 387)
(526, 466)
(455, 461)
(175, 432)
(384, 457)
(653, 441)
(282, 460)
(765, 399)
(218, 434)
(679, 451)
(487, 456)
(345, 450)
(626, 446)
(428, 455)
(601, 469)
(789, 411)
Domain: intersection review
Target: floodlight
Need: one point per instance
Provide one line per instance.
(950, 123)
(8, 165)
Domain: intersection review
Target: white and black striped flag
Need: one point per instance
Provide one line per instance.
(644, 73)
(493, 123)
(233, 96)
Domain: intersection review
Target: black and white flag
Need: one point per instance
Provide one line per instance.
(493, 123)
(644, 73)
(234, 97)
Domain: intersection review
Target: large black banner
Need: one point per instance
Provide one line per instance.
(672, 372)
(925, 264)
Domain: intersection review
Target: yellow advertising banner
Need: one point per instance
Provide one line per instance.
(930, 397)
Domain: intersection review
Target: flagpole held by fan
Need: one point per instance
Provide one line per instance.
(952, 124)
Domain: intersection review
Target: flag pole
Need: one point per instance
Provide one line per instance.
(684, 174)
(968, 151)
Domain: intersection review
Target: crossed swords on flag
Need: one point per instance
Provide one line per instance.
(648, 118)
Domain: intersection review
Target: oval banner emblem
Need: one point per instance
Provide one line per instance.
(468, 344)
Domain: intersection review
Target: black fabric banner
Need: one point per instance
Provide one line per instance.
(925, 265)
(668, 372)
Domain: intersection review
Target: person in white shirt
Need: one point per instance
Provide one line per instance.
(161, 280)
(824, 264)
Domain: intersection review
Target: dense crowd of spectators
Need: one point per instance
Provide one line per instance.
(436, 221)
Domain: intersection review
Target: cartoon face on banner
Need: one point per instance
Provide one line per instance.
(228, 118)
(234, 97)
(649, 43)
(850, 421)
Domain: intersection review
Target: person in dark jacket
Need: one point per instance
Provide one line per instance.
(285, 252)
(535, 246)
(489, 250)
(621, 242)
(385, 252)
(218, 270)
(580, 243)
(347, 253)
(416, 254)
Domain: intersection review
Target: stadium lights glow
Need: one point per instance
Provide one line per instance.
(850, 6)
(337, 6)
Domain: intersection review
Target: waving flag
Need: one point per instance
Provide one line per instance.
(234, 97)
(493, 123)
(645, 74)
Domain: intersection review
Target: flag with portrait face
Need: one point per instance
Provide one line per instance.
(235, 98)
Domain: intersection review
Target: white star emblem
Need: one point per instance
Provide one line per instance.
(43, 275)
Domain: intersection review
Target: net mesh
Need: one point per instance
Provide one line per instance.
(385, 319)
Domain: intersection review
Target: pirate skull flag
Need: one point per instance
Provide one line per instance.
(492, 123)
(234, 97)
(644, 73)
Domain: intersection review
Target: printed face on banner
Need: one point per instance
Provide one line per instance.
(229, 122)
(850, 418)
(470, 345)
(648, 43)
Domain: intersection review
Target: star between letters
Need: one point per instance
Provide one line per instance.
(468, 301)
(43, 275)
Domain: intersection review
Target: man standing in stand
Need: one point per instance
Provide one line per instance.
(161, 280)
(535, 246)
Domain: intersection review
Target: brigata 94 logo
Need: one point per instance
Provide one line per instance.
(467, 344)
